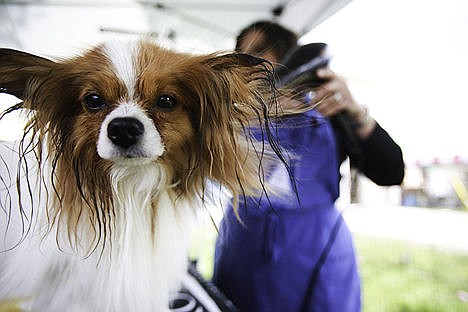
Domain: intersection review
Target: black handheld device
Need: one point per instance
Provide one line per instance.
(298, 69)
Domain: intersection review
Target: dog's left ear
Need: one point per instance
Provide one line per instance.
(19, 70)
(237, 59)
(237, 93)
(242, 83)
(241, 89)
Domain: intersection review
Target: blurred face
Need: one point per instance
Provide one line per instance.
(253, 44)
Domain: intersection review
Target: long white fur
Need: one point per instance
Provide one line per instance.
(124, 277)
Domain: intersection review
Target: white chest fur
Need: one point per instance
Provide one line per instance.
(138, 267)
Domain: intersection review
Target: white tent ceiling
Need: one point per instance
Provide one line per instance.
(57, 27)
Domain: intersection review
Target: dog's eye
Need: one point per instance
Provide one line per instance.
(166, 102)
(94, 102)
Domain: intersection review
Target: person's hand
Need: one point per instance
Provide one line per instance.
(334, 96)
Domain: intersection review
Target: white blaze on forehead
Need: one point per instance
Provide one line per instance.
(123, 56)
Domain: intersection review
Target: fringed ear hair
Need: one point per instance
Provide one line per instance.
(27, 77)
(19, 71)
(238, 141)
(44, 89)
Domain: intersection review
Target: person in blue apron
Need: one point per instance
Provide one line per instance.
(294, 251)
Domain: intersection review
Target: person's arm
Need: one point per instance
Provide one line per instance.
(381, 159)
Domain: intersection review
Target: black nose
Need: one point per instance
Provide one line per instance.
(125, 132)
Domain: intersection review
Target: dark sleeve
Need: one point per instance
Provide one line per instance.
(380, 159)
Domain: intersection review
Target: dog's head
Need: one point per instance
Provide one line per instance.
(133, 104)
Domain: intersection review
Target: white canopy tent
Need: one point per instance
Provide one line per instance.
(55, 27)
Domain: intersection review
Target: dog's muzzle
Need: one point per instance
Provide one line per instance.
(125, 132)
(128, 133)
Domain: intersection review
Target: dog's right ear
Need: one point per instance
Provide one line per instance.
(20, 70)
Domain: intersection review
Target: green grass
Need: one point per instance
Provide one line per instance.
(405, 277)
(396, 276)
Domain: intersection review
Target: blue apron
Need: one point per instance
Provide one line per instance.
(288, 256)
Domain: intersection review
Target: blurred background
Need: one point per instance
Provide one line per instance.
(406, 60)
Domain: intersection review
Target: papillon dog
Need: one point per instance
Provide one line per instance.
(120, 143)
